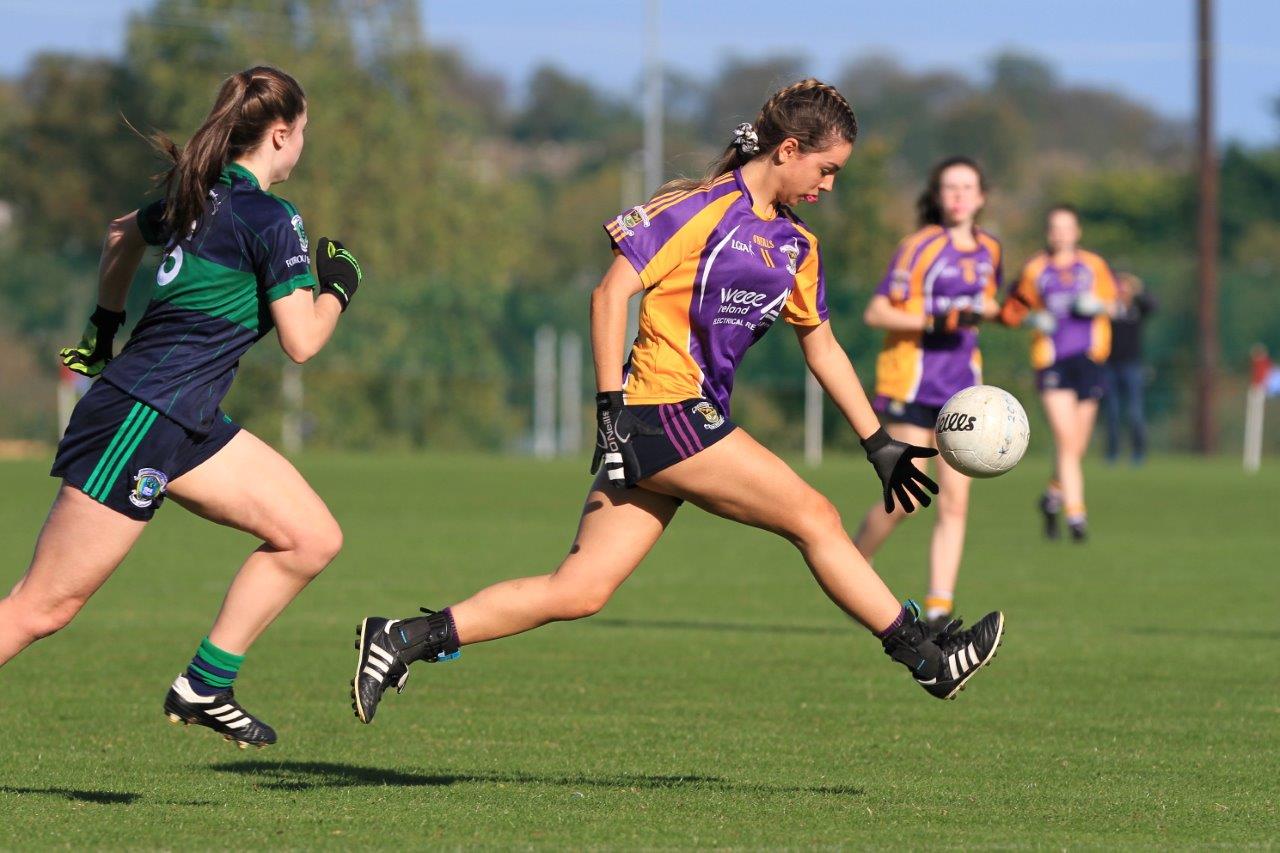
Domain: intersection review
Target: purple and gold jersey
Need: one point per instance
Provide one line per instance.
(929, 276)
(1045, 287)
(716, 277)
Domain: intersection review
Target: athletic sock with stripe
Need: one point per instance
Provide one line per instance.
(212, 670)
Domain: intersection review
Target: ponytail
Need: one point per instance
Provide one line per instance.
(813, 113)
(248, 103)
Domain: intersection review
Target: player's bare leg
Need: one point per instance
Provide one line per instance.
(81, 544)
(1071, 421)
(616, 530)
(877, 525)
(739, 479)
(947, 545)
(249, 486)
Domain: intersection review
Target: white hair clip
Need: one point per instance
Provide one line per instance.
(745, 138)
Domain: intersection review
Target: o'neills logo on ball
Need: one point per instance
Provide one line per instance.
(956, 422)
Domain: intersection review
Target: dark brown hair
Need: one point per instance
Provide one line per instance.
(247, 105)
(929, 205)
(813, 113)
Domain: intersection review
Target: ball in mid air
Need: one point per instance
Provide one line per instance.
(982, 431)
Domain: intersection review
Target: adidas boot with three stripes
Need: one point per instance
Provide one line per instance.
(220, 712)
(385, 649)
(942, 662)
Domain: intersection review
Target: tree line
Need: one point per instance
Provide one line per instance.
(476, 211)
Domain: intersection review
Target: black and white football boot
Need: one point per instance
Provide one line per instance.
(220, 712)
(942, 662)
(1050, 510)
(385, 649)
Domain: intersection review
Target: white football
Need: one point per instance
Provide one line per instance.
(982, 431)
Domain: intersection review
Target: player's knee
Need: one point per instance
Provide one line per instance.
(326, 544)
(815, 519)
(316, 546)
(581, 603)
(40, 622)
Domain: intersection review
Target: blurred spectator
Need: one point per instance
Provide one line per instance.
(1125, 372)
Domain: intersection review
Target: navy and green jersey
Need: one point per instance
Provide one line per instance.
(212, 298)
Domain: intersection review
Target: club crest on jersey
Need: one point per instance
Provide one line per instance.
(792, 251)
(148, 487)
(712, 417)
(628, 221)
(296, 222)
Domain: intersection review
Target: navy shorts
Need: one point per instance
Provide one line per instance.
(898, 412)
(123, 453)
(1077, 373)
(687, 427)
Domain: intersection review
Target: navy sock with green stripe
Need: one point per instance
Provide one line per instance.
(212, 670)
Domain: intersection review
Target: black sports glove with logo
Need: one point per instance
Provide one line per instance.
(615, 427)
(338, 270)
(94, 350)
(901, 478)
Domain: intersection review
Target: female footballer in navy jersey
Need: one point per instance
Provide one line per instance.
(718, 261)
(235, 264)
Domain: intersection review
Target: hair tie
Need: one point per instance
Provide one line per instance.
(745, 138)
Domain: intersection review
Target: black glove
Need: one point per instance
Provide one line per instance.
(952, 321)
(338, 270)
(94, 350)
(901, 478)
(615, 427)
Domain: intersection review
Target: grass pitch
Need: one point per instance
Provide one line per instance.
(718, 701)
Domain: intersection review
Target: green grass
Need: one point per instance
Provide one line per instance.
(718, 701)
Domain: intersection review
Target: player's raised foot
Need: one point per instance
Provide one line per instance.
(378, 667)
(1049, 512)
(386, 647)
(220, 712)
(942, 662)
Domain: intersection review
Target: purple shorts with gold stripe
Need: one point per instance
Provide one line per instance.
(687, 427)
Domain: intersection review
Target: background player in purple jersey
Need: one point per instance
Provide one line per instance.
(941, 284)
(235, 264)
(1066, 294)
(718, 261)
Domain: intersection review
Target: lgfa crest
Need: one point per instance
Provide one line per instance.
(792, 251)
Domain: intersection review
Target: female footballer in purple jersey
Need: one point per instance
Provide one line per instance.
(1066, 294)
(718, 261)
(941, 283)
(235, 264)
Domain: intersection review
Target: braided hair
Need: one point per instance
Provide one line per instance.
(813, 113)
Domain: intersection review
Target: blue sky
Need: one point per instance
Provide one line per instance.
(1142, 48)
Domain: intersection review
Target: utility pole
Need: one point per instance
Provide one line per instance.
(652, 98)
(1207, 235)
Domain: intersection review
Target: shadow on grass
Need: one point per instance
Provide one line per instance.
(101, 797)
(744, 627)
(307, 775)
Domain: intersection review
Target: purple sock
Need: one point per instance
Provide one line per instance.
(894, 625)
